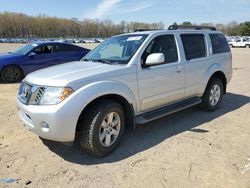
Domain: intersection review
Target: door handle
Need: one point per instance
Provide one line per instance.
(178, 69)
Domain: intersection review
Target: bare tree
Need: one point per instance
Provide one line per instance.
(22, 25)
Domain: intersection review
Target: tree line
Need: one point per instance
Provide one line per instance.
(22, 25)
(42, 26)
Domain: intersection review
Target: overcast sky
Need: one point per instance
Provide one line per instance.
(167, 11)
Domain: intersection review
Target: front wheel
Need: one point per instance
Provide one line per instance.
(11, 74)
(102, 128)
(213, 95)
(247, 46)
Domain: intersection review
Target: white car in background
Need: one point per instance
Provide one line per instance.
(243, 42)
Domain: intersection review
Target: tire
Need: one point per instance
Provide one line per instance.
(97, 135)
(231, 45)
(11, 74)
(213, 95)
(247, 46)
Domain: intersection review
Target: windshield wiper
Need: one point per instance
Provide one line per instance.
(103, 61)
(85, 59)
(99, 60)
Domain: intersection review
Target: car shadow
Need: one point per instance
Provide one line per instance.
(151, 134)
(7, 83)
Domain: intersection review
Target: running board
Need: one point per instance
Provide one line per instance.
(161, 112)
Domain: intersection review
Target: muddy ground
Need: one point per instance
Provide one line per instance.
(191, 148)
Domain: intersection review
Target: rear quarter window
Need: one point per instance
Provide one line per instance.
(65, 48)
(194, 46)
(219, 43)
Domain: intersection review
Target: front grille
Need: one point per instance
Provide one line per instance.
(39, 94)
(31, 94)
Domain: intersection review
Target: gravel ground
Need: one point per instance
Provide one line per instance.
(191, 148)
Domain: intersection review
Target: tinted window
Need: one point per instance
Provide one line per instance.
(163, 44)
(65, 48)
(194, 46)
(219, 43)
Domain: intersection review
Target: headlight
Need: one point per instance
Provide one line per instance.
(55, 95)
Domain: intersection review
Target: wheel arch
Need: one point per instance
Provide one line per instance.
(220, 75)
(7, 65)
(107, 90)
(128, 109)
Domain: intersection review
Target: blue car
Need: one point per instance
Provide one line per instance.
(34, 56)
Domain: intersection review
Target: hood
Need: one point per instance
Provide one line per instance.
(72, 74)
(7, 56)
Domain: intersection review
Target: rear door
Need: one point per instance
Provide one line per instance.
(67, 53)
(196, 61)
(161, 84)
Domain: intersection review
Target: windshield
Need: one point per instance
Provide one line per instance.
(23, 50)
(119, 49)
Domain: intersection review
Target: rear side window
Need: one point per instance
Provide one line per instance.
(219, 43)
(194, 46)
(65, 48)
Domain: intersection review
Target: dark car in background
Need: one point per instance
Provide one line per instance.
(34, 56)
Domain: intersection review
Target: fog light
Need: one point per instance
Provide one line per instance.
(44, 126)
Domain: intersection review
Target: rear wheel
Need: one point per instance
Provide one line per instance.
(213, 95)
(247, 46)
(102, 128)
(11, 74)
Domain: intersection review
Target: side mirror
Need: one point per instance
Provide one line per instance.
(154, 59)
(32, 54)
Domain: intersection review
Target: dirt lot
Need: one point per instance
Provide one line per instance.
(191, 148)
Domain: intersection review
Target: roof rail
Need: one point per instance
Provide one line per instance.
(140, 30)
(196, 27)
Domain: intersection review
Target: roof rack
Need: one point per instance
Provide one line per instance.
(140, 30)
(196, 27)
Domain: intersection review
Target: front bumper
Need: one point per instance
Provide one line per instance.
(61, 120)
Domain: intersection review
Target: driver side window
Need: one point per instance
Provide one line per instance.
(162, 44)
(44, 49)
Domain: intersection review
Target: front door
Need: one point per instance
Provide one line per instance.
(41, 57)
(163, 83)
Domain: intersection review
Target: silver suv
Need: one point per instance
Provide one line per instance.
(127, 80)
